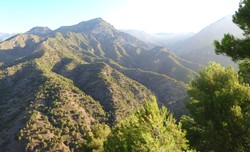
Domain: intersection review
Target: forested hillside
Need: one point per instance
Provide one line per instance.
(90, 87)
(55, 86)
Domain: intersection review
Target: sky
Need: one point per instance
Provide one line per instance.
(153, 16)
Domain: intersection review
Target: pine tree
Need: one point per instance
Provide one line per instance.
(149, 129)
(238, 49)
(96, 138)
(220, 108)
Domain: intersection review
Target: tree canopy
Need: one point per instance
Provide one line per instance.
(236, 48)
(149, 129)
(220, 108)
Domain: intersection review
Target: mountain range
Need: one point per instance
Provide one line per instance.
(168, 40)
(55, 85)
(195, 47)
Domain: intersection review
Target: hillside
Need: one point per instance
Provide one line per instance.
(56, 85)
(200, 49)
(163, 61)
(194, 47)
(169, 91)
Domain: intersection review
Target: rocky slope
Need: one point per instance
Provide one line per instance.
(40, 31)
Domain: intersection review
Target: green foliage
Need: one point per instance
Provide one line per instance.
(238, 49)
(220, 108)
(149, 129)
(230, 116)
(234, 47)
(96, 137)
(244, 71)
(242, 16)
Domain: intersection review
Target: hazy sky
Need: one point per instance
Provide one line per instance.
(146, 15)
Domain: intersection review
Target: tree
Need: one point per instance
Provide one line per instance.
(149, 129)
(238, 49)
(96, 138)
(220, 108)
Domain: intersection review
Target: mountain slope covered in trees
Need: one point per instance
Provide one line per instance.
(55, 86)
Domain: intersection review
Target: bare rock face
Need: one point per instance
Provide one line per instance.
(40, 31)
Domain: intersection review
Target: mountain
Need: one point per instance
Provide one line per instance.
(168, 40)
(104, 41)
(197, 48)
(200, 49)
(55, 87)
(4, 36)
(163, 61)
(40, 31)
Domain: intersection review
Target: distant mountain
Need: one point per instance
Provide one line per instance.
(149, 39)
(200, 49)
(56, 85)
(197, 48)
(167, 40)
(4, 36)
(170, 40)
(40, 31)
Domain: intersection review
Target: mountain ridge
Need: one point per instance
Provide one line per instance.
(203, 42)
(198, 48)
(55, 88)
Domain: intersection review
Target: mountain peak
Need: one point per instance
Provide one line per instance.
(96, 20)
(40, 30)
(93, 25)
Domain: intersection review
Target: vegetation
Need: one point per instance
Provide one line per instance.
(79, 89)
(56, 94)
(149, 129)
(96, 138)
(219, 98)
(219, 106)
(238, 49)
(163, 61)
